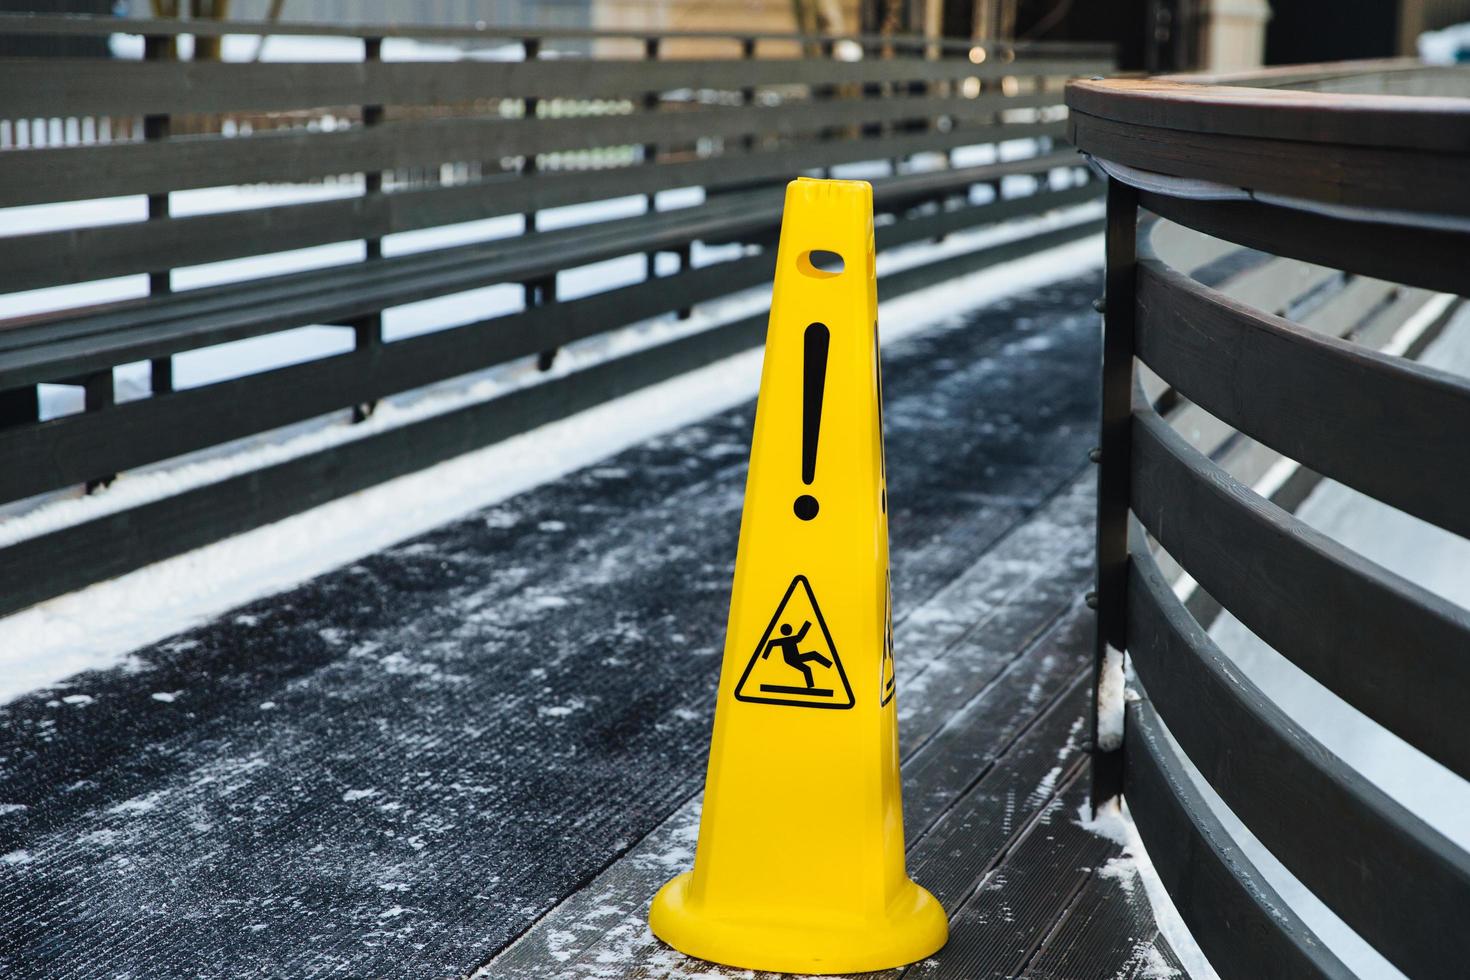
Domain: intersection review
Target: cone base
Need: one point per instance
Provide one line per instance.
(915, 927)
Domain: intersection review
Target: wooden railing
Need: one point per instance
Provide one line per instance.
(1374, 185)
(389, 149)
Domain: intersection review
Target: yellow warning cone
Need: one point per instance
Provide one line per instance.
(800, 864)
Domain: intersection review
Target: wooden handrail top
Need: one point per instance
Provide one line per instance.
(1375, 156)
(1398, 121)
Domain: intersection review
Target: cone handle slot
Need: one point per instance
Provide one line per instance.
(821, 263)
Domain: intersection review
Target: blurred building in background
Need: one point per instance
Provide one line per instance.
(1327, 30)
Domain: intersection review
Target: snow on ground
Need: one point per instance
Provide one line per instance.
(55, 639)
(1114, 822)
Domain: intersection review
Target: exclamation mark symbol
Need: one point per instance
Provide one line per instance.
(813, 385)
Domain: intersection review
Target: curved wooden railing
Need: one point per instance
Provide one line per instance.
(1373, 185)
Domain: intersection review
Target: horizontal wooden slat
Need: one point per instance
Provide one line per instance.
(151, 327)
(82, 254)
(28, 23)
(97, 87)
(1399, 883)
(181, 321)
(75, 448)
(119, 543)
(1241, 924)
(1372, 177)
(106, 170)
(1387, 426)
(1308, 76)
(1415, 256)
(1395, 651)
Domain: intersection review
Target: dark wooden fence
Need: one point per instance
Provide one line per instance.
(426, 145)
(1373, 185)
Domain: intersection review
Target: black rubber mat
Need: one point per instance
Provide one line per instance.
(396, 768)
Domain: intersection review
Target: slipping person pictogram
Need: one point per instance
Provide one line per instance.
(808, 650)
(791, 653)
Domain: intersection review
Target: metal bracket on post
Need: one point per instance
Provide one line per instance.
(368, 330)
(1114, 493)
(160, 282)
(544, 292)
(686, 262)
(20, 405)
(99, 393)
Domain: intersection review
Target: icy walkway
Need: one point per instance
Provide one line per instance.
(482, 749)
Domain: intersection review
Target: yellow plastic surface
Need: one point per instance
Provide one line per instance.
(800, 863)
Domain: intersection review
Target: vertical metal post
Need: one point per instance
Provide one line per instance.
(160, 282)
(372, 115)
(368, 329)
(872, 91)
(827, 48)
(650, 151)
(546, 295)
(531, 50)
(537, 292)
(937, 89)
(994, 53)
(685, 255)
(1113, 490)
(99, 393)
(893, 51)
(1044, 144)
(747, 95)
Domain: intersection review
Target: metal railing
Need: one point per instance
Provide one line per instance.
(408, 146)
(1372, 184)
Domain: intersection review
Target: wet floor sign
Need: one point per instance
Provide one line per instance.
(819, 680)
(800, 863)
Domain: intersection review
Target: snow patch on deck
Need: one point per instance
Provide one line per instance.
(1133, 868)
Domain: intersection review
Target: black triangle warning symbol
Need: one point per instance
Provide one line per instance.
(796, 663)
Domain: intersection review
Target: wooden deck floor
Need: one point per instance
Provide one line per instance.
(475, 754)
